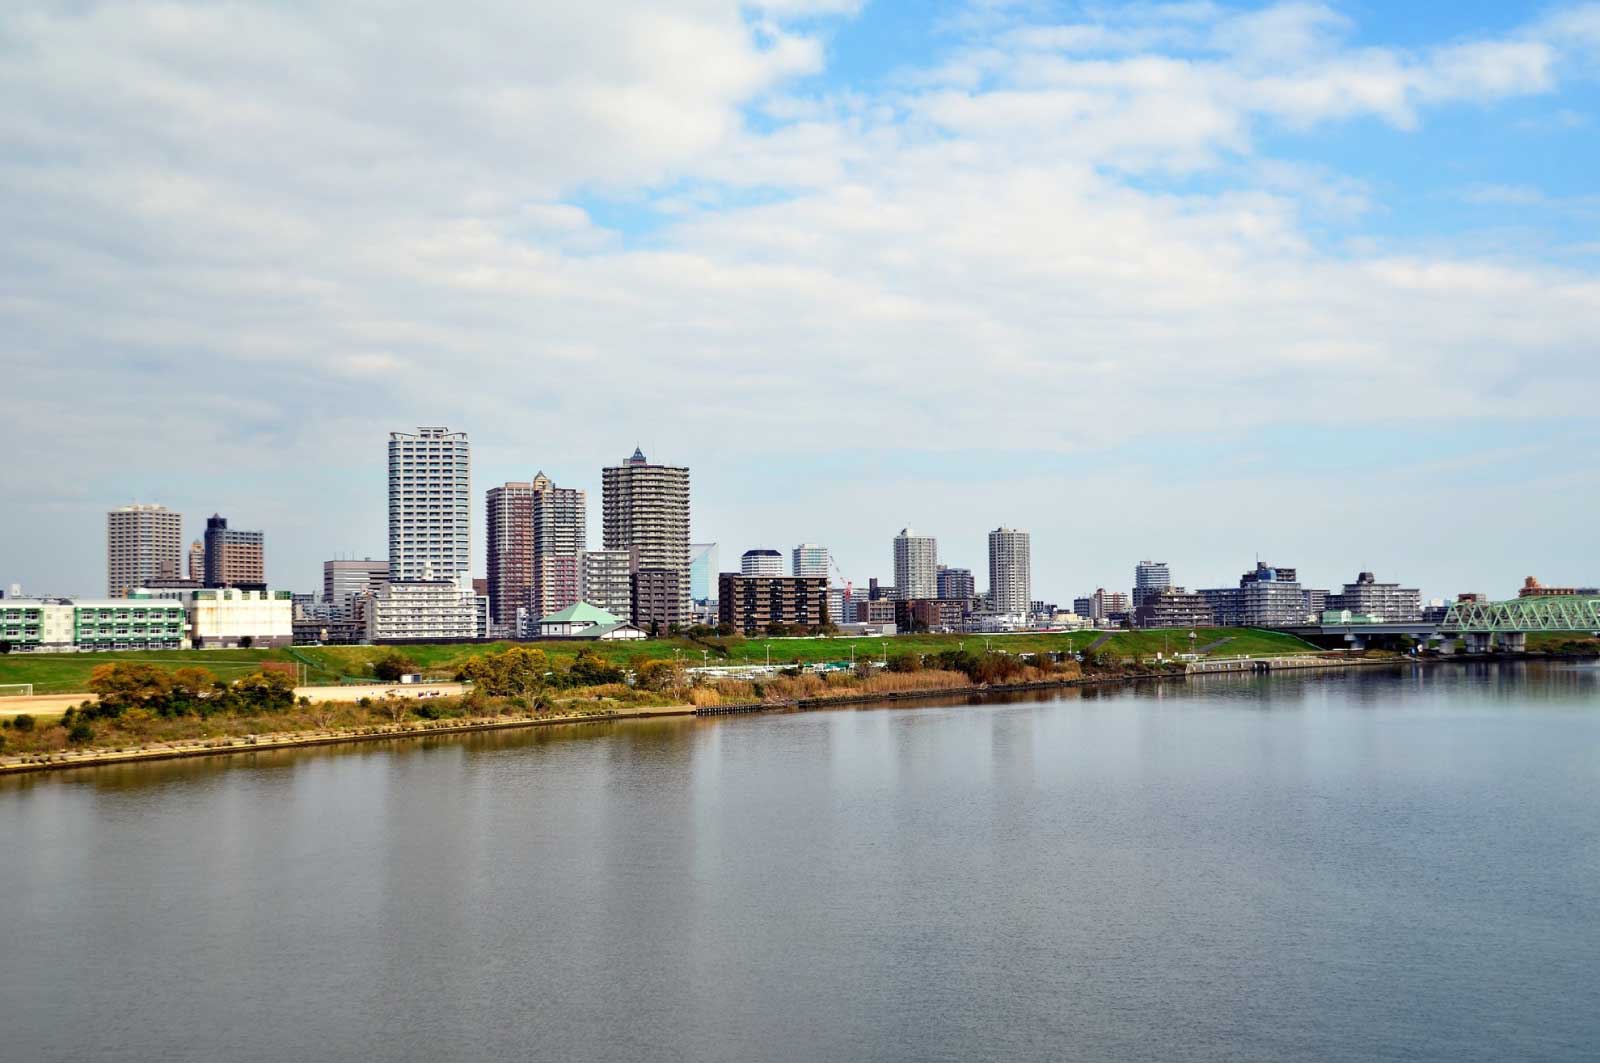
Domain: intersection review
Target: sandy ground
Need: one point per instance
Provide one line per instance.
(42, 704)
(55, 704)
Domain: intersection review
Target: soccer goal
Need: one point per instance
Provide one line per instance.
(12, 690)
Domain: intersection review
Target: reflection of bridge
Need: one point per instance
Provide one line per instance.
(1482, 626)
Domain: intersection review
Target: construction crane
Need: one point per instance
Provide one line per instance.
(837, 571)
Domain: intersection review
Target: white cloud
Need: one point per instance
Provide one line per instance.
(355, 224)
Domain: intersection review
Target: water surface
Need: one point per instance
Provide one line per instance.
(1377, 866)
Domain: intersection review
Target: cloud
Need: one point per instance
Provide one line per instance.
(318, 226)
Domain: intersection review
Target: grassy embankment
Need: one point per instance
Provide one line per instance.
(160, 723)
(1564, 642)
(69, 673)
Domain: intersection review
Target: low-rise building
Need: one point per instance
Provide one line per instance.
(1388, 602)
(228, 617)
(751, 603)
(605, 580)
(1265, 597)
(585, 621)
(931, 614)
(1173, 607)
(425, 611)
(136, 622)
(659, 598)
(874, 611)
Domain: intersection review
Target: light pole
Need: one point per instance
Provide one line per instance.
(769, 656)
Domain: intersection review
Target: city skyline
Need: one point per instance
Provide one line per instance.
(478, 566)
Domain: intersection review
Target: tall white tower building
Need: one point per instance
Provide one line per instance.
(430, 503)
(811, 560)
(1010, 579)
(916, 565)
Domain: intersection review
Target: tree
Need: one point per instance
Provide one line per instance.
(246, 641)
(590, 669)
(392, 665)
(190, 689)
(128, 685)
(905, 662)
(657, 675)
(5, 645)
(23, 721)
(518, 671)
(394, 707)
(264, 692)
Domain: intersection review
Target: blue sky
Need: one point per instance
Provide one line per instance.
(1191, 281)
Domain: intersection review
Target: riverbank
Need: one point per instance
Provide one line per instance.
(255, 743)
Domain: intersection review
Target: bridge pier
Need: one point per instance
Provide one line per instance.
(1513, 642)
(1358, 643)
(1477, 641)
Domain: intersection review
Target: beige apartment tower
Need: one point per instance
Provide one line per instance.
(143, 543)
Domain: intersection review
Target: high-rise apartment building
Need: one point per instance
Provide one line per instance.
(536, 531)
(197, 562)
(233, 558)
(916, 565)
(430, 520)
(1010, 572)
(760, 562)
(143, 543)
(811, 561)
(646, 511)
(1150, 578)
(509, 533)
(956, 584)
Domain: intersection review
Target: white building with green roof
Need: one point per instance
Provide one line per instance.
(584, 621)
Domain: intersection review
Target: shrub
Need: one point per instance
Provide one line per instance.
(23, 722)
(365, 703)
(905, 662)
(80, 733)
(392, 665)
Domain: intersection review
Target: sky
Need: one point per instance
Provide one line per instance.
(1195, 282)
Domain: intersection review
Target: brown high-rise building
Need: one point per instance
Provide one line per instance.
(536, 532)
(233, 558)
(510, 549)
(143, 543)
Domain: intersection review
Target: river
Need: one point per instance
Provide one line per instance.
(1374, 865)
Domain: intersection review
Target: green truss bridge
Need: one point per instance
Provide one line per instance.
(1485, 625)
(1481, 626)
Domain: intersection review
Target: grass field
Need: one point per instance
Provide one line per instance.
(69, 673)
